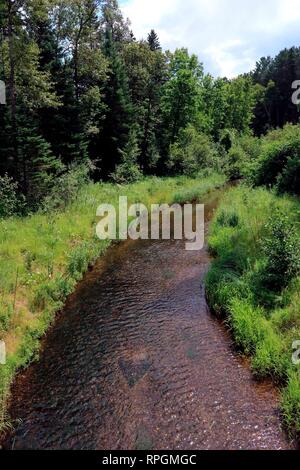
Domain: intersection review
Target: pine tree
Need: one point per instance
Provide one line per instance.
(153, 41)
(118, 115)
(128, 171)
(38, 166)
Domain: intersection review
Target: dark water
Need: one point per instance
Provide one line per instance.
(136, 361)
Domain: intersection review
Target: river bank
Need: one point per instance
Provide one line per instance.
(253, 284)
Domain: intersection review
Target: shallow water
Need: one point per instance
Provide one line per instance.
(136, 361)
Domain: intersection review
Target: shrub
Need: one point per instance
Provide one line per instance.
(241, 153)
(192, 152)
(279, 162)
(227, 219)
(236, 162)
(6, 313)
(8, 196)
(274, 160)
(291, 402)
(281, 246)
(66, 187)
(128, 171)
(228, 138)
(289, 180)
(53, 291)
(251, 145)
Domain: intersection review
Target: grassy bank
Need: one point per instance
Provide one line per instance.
(254, 283)
(45, 255)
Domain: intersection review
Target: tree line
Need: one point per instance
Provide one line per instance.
(84, 96)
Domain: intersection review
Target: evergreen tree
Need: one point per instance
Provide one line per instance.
(128, 171)
(276, 76)
(38, 164)
(118, 112)
(153, 41)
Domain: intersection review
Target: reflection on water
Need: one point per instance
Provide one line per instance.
(136, 361)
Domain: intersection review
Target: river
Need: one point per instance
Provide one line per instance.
(137, 361)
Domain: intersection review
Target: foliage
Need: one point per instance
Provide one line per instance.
(8, 196)
(40, 168)
(289, 180)
(128, 170)
(236, 161)
(117, 121)
(180, 94)
(281, 247)
(153, 41)
(66, 186)
(227, 104)
(278, 164)
(276, 75)
(192, 152)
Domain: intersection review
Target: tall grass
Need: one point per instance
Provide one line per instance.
(43, 257)
(256, 243)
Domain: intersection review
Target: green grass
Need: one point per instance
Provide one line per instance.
(43, 257)
(264, 319)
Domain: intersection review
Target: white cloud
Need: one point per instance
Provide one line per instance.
(228, 35)
(226, 59)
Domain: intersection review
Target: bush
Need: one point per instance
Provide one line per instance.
(192, 152)
(241, 153)
(281, 246)
(8, 196)
(6, 313)
(52, 291)
(274, 160)
(279, 163)
(128, 171)
(236, 162)
(289, 180)
(227, 219)
(251, 145)
(66, 187)
(228, 138)
(291, 402)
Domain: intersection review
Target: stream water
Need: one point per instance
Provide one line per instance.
(137, 361)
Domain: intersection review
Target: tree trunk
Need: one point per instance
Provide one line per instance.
(12, 87)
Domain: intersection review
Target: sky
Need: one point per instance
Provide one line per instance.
(228, 36)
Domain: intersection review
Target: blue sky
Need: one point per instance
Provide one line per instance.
(229, 36)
